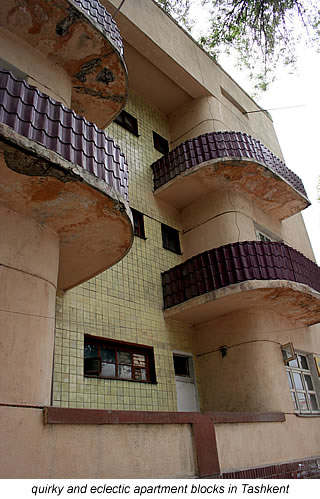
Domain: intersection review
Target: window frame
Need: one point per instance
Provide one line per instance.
(138, 217)
(120, 346)
(305, 390)
(172, 234)
(128, 122)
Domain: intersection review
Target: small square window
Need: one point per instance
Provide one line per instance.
(170, 239)
(128, 122)
(161, 144)
(138, 224)
(117, 360)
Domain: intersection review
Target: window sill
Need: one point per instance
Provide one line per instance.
(121, 379)
(173, 251)
(140, 237)
(307, 414)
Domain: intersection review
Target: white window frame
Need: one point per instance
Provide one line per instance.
(296, 371)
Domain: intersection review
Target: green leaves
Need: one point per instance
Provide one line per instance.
(263, 33)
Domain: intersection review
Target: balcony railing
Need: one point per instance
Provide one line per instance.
(212, 146)
(235, 263)
(40, 118)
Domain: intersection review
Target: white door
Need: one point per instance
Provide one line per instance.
(185, 383)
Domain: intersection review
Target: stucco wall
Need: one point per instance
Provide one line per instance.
(249, 445)
(42, 72)
(251, 376)
(29, 255)
(32, 450)
(229, 216)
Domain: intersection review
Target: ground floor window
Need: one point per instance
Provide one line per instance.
(302, 385)
(118, 360)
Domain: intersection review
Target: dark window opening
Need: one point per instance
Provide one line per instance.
(128, 122)
(118, 360)
(170, 239)
(181, 366)
(161, 144)
(138, 224)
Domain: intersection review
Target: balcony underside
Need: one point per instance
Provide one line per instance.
(91, 218)
(296, 301)
(252, 178)
(228, 160)
(82, 38)
(242, 275)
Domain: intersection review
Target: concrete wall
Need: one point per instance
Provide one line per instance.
(29, 255)
(228, 216)
(41, 72)
(32, 450)
(249, 445)
(251, 376)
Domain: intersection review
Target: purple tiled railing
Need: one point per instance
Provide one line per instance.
(234, 263)
(215, 145)
(40, 118)
(102, 19)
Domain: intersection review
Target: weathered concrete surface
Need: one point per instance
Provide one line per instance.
(243, 446)
(268, 189)
(31, 450)
(29, 256)
(93, 62)
(92, 220)
(297, 301)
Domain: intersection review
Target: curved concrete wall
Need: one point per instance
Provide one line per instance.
(229, 216)
(42, 72)
(251, 376)
(28, 272)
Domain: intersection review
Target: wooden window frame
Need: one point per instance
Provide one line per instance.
(128, 122)
(171, 239)
(160, 143)
(138, 224)
(119, 346)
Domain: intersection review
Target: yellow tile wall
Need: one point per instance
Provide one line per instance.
(125, 302)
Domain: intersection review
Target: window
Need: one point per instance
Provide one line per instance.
(265, 235)
(138, 224)
(118, 360)
(161, 144)
(261, 236)
(170, 239)
(128, 122)
(181, 366)
(301, 384)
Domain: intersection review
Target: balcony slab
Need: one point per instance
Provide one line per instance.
(82, 38)
(270, 191)
(92, 220)
(296, 301)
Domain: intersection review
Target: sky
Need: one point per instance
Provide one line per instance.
(297, 128)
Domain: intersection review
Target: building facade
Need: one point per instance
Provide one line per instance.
(161, 323)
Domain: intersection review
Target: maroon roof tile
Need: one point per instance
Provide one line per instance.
(40, 118)
(216, 145)
(234, 263)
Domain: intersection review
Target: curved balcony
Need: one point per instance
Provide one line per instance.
(242, 275)
(63, 171)
(81, 37)
(234, 160)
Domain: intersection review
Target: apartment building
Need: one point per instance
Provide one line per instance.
(160, 298)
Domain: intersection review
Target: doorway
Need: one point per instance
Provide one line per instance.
(187, 399)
